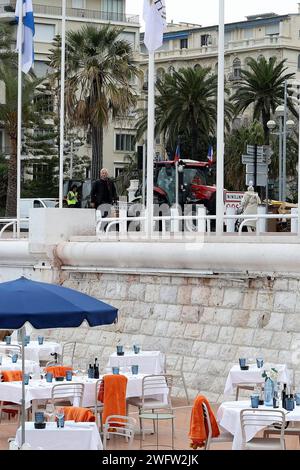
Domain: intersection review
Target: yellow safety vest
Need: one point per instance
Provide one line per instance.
(72, 198)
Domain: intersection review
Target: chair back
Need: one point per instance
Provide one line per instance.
(262, 418)
(160, 384)
(68, 351)
(120, 426)
(72, 392)
(11, 349)
(207, 425)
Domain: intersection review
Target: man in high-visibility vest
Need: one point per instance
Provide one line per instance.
(72, 197)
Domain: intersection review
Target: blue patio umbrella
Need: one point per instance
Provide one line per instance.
(46, 306)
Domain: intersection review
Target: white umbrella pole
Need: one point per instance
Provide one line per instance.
(23, 331)
(150, 142)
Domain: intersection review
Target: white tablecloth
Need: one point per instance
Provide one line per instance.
(149, 362)
(228, 416)
(74, 436)
(253, 376)
(41, 390)
(31, 367)
(36, 352)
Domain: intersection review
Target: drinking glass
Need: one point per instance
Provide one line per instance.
(259, 362)
(59, 413)
(68, 375)
(119, 350)
(115, 370)
(40, 340)
(39, 417)
(135, 369)
(8, 339)
(242, 362)
(26, 379)
(49, 377)
(14, 358)
(136, 349)
(297, 398)
(254, 401)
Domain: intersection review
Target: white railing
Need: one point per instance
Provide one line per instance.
(6, 223)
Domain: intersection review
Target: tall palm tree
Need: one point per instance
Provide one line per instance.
(263, 88)
(99, 70)
(186, 106)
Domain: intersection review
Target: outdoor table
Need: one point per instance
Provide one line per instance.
(41, 390)
(73, 436)
(38, 352)
(228, 416)
(253, 376)
(149, 362)
(31, 367)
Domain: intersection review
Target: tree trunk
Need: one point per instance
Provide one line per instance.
(194, 138)
(265, 118)
(97, 151)
(11, 196)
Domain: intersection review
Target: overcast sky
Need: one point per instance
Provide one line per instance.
(194, 11)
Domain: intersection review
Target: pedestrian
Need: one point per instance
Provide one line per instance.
(103, 194)
(249, 204)
(72, 197)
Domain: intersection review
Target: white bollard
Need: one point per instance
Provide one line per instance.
(294, 221)
(230, 223)
(201, 223)
(174, 222)
(261, 224)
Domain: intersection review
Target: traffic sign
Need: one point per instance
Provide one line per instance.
(251, 159)
(261, 180)
(261, 168)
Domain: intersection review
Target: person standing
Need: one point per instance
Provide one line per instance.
(249, 204)
(104, 193)
(72, 197)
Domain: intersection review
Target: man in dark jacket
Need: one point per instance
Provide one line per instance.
(103, 192)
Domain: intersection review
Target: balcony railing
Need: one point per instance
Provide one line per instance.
(9, 7)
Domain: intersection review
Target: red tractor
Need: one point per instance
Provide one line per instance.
(192, 183)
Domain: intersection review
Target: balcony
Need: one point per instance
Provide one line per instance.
(7, 12)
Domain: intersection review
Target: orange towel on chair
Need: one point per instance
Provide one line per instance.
(198, 429)
(79, 415)
(11, 375)
(113, 395)
(58, 371)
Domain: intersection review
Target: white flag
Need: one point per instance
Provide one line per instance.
(27, 34)
(155, 23)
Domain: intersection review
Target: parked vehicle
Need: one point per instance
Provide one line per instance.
(32, 203)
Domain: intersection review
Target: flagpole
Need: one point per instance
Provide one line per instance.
(150, 144)
(19, 119)
(220, 123)
(62, 105)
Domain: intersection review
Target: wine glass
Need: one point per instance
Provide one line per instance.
(50, 411)
(59, 413)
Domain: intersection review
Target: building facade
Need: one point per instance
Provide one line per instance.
(117, 140)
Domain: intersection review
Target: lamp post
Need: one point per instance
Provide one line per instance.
(285, 127)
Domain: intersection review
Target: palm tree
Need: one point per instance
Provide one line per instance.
(263, 88)
(186, 106)
(99, 69)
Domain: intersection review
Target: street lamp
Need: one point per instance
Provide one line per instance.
(285, 127)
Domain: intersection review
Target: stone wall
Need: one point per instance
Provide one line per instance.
(206, 322)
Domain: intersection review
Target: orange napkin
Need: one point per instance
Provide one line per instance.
(11, 375)
(79, 415)
(58, 371)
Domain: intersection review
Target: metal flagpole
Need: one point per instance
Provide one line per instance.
(19, 120)
(23, 332)
(150, 144)
(220, 123)
(284, 145)
(299, 173)
(62, 105)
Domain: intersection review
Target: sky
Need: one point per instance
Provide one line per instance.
(193, 11)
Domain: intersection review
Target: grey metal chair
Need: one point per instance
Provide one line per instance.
(263, 418)
(117, 425)
(179, 375)
(224, 435)
(156, 395)
(70, 393)
(67, 355)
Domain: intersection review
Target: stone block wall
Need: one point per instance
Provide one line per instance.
(202, 324)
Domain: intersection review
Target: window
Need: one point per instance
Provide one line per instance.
(44, 103)
(41, 68)
(118, 171)
(205, 39)
(184, 43)
(114, 9)
(236, 69)
(38, 170)
(129, 37)
(248, 33)
(44, 32)
(78, 4)
(124, 142)
(272, 29)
